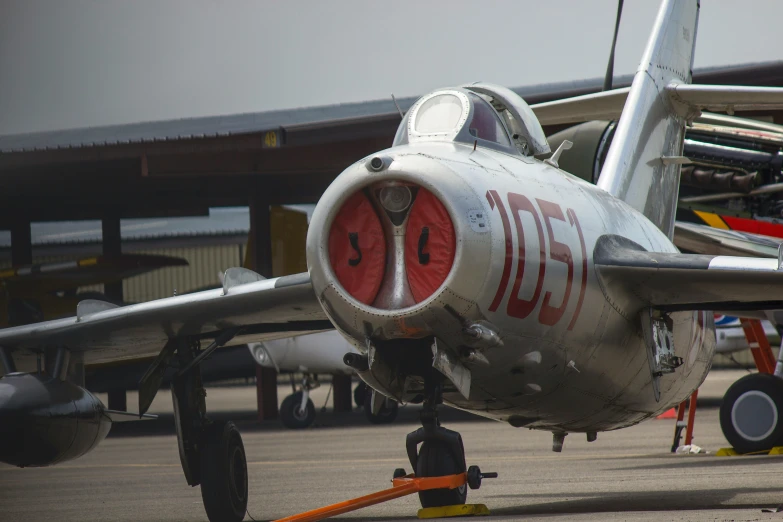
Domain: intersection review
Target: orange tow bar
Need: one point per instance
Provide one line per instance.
(401, 486)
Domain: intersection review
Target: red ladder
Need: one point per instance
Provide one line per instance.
(681, 424)
(759, 345)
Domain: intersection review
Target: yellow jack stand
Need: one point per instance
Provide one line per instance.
(460, 510)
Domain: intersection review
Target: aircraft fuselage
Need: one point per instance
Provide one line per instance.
(573, 355)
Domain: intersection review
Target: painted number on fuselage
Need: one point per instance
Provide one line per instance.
(549, 314)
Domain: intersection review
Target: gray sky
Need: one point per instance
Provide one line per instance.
(78, 63)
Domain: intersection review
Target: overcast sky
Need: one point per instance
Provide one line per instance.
(78, 63)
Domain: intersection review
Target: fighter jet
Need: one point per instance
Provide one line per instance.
(310, 355)
(731, 338)
(466, 271)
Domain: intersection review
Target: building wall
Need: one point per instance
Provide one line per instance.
(205, 263)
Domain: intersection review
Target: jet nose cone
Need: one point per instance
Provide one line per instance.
(392, 244)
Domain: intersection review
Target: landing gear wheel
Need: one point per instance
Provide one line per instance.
(751, 415)
(387, 414)
(359, 394)
(435, 460)
(224, 473)
(292, 416)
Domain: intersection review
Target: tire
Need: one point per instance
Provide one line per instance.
(751, 415)
(387, 414)
(290, 415)
(224, 473)
(359, 394)
(436, 460)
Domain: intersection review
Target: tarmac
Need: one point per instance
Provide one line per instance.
(630, 474)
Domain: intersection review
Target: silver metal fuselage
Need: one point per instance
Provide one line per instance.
(321, 352)
(572, 356)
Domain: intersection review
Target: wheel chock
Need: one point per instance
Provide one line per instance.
(459, 510)
(731, 452)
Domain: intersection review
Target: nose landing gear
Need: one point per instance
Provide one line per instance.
(442, 452)
(297, 410)
(441, 478)
(436, 459)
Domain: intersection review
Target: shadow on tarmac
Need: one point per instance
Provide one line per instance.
(624, 501)
(711, 461)
(591, 502)
(247, 422)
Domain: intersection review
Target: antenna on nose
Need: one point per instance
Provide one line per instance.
(610, 66)
(398, 106)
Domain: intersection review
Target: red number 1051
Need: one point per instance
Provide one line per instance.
(549, 314)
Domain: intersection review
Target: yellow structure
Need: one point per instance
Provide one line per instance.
(731, 452)
(208, 256)
(460, 510)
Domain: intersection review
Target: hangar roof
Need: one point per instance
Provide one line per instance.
(228, 125)
(188, 128)
(184, 167)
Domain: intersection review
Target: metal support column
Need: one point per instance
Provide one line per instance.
(112, 246)
(260, 256)
(341, 385)
(759, 345)
(7, 361)
(20, 310)
(21, 243)
(118, 399)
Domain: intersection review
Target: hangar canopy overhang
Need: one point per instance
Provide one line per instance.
(183, 167)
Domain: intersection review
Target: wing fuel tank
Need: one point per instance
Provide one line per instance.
(45, 421)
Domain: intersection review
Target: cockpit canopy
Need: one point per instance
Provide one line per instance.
(482, 113)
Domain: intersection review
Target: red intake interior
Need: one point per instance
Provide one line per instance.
(430, 244)
(357, 248)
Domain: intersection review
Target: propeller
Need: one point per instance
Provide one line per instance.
(610, 65)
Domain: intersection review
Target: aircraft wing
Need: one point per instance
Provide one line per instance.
(703, 239)
(65, 275)
(633, 278)
(259, 308)
(689, 100)
(605, 105)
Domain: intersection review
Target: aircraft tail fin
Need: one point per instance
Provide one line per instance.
(650, 127)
